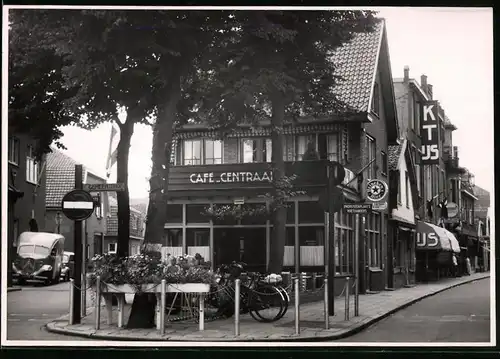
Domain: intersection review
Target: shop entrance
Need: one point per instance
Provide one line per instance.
(240, 244)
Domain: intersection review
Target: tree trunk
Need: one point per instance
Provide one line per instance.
(143, 307)
(277, 244)
(123, 198)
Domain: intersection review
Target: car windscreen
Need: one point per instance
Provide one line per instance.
(41, 250)
(25, 250)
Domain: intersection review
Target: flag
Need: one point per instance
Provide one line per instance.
(113, 149)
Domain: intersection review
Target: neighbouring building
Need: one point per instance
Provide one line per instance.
(61, 180)
(483, 223)
(428, 131)
(26, 180)
(403, 199)
(137, 226)
(210, 172)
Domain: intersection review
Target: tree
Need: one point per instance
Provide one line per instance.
(278, 67)
(37, 90)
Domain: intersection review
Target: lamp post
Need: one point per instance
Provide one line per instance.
(58, 222)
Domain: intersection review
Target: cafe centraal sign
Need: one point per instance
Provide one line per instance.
(231, 177)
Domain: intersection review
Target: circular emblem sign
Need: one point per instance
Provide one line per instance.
(77, 205)
(376, 190)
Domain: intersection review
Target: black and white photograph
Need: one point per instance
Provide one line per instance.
(247, 176)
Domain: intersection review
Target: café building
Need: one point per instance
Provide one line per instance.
(211, 175)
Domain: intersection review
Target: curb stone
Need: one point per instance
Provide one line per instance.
(51, 327)
(14, 289)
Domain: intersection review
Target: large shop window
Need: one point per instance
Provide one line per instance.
(289, 255)
(31, 166)
(344, 248)
(373, 240)
(371, 149)
(311, 212)
(198, 241)
(172, 242)
(254, 219)
(199, 152)
(195, 213)
(312, 245)
(174, 213)
(290, 213)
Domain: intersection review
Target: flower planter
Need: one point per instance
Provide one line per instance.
(156, 288)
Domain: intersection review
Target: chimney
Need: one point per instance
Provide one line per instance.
(407, 74)
(429, 90)
(423, 82)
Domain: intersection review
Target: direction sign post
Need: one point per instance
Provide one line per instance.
(104, 187)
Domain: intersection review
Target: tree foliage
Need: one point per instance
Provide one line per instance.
(36, 90)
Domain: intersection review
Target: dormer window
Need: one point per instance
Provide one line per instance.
(375, 107)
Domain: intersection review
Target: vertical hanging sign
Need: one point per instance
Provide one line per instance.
(429, 130)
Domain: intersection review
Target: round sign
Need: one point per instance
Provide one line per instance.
(376, 190)
(452, 209)
(337, 171)
(77, 205)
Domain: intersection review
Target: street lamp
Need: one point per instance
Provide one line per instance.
(58, 222)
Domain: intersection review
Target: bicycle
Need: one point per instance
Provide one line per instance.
(257, 298)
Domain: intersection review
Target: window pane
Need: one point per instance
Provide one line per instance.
(197, 152)
(290, 213)
(218, 151)
(333, 147)
(310, 212)
(199, 237)
(269, 150)
(174, 213)
(195, 213)
(311, 236)
(188, 152)
(248, 151)
(301, 146)
(251, 219)
(209, 150)
(173, 238)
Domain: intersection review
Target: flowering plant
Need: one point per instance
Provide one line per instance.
(143, 269)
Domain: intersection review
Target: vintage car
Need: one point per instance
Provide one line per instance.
(39, 257)
(68, 266)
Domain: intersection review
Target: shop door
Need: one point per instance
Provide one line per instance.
(226, 246)
(254, 248)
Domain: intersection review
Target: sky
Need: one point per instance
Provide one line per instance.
(452, 46)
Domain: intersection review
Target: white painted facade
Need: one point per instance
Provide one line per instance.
(404, 211)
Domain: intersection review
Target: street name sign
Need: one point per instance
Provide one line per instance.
(77, 205)
(379, 206)
(104, 187)
(358, 208)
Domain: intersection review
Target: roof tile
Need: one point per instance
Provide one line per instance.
(356, 64)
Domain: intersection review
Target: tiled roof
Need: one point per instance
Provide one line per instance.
(356, 63)
(393, 153)
(60, 177)
(136, 220)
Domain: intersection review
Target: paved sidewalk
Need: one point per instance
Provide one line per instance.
(372, 308)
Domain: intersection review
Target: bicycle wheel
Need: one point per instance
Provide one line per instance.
(266, 304)
(286, 297)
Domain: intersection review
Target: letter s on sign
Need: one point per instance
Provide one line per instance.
(432, 240)
(430, 152)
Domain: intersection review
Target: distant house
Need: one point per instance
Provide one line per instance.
(26, 180)
(403, 200)
(137, 221)
(61, 180)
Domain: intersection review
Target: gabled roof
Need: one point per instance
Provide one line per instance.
(356, 62)
(61, 177)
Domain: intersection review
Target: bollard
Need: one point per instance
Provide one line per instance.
(202, 312)
(314, 276)
(71, 300)
(297, 306)
(237, 307)
(97, 315)
(346, 316)
(327, 318)
(163, 305)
